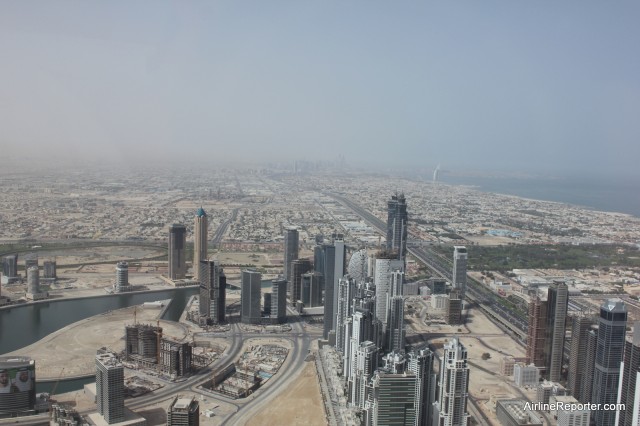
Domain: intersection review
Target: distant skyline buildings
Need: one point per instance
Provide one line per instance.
(177, 251)
(397, 225)
(291, 249)
(200, 241)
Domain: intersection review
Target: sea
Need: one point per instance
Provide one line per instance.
(603, 194)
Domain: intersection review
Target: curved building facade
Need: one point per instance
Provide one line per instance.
(17, 385)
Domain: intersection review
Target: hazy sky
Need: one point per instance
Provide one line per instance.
(542, 85)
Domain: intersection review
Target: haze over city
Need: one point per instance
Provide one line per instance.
(543, 87)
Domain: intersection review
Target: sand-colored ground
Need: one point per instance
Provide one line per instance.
(74, 346)
(300, 404)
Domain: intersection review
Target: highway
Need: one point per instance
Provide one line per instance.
(222, 229)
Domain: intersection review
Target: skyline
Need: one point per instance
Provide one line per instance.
(530, 88)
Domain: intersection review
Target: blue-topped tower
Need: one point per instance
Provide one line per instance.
(200, 241)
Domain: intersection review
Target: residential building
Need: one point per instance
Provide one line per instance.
(291, 247)
(451, 406)
(459, 280)
(110, 387)
(397, 226)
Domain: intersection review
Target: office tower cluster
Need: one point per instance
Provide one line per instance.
(213, 290)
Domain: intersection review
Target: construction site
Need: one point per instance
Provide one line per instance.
(256, 365)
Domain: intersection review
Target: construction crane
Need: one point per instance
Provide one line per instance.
(53, 392)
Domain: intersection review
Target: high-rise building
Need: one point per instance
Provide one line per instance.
(346, 289)
(395, 325)
(357, 268)
(299, 267)
(33, 280)
(393, 399)
(122, 277)
(629, 394)
(175, 357)
(110, 387)
(459, 279)
(212, 292)
(17, 385)
(570, 412)
(331, 287)
(325, 264)
(183, 412)
(250, 297)
(557, 304)
(453, 313)
(177, 250)
(577, 354)
(397, 226)
(10, 266)
(312, 289)
(385, 266)
(586, 392)
(141, 343)
(609, 353)
(537, 331)
(30, 260)
(291, 242)
(200, 242)
(451, 407)
(278, 301)
(421, 365)
(365, 357)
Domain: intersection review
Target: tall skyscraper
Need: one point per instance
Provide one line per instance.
(183, 412)
(421, 364)
(177, 248)
(346, 290)
(278, 301)
(557, 304)
(578, 354)
(451, 407)
(212, 292)
(331, 288)
(385, 266)
(609, 353)
(110, 387)
(395, 325)
(250, 297)
(460, 270)
(201, 230)
(366, 361)
(299, 267)
(397, 226)
(629, 390)
(586, 392)
(393, 399)
(537, 330)
(10, 266)
(291, 241)
(313, 285)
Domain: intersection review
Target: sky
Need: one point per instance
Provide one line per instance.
(497, 85)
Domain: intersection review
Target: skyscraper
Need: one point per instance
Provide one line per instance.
(331, 288)
(346, 290)
(385, 266)
(212, 292)
(177, 243)
(393, 399)
(10, 266)
(291, 241)
(110, 387)
(299, 267)
(557, 303)
(421, 364)
(451, 407)
(122, 278)
(278, 301)
(609, 353)
(365, 357)
(200, 241)
(629, 390)
(395, 325)
(313, 285)
(578, 354)
(586, 392)
(537, 330)
(250, 297)
(460, 270)
(397, 222)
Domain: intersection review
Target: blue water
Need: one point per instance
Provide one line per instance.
(604, 194)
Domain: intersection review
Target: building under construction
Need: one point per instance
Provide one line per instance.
(175, 357)
(142, 343)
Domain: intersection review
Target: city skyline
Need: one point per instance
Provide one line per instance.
(522, 87)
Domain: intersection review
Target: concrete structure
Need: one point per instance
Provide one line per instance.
(526, 375)
(557, 304)
(451, 406)
(141, 343)
(110, 387)
(357, 268)
(577, 354)
(547, 389)
(176, 358)
(386, 264)
(365, 362)
(397, 226)
(512, 412)
(312, 289)
(250, 297)
(459, 280)
(421, 365)
(346, 291)
(572, 412)
(49, 269)
(291, 242)
(507, 365)
(537, 331)
(213, 285)
(395, 326)
(33, 280)
(200, 241)
(298, 268)
(30, 260)
(278, 312)
(177, 252)
(183, 412)
(609, 353)
(586, 392)
(628, 392)
(325, 264)
(331, 286)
